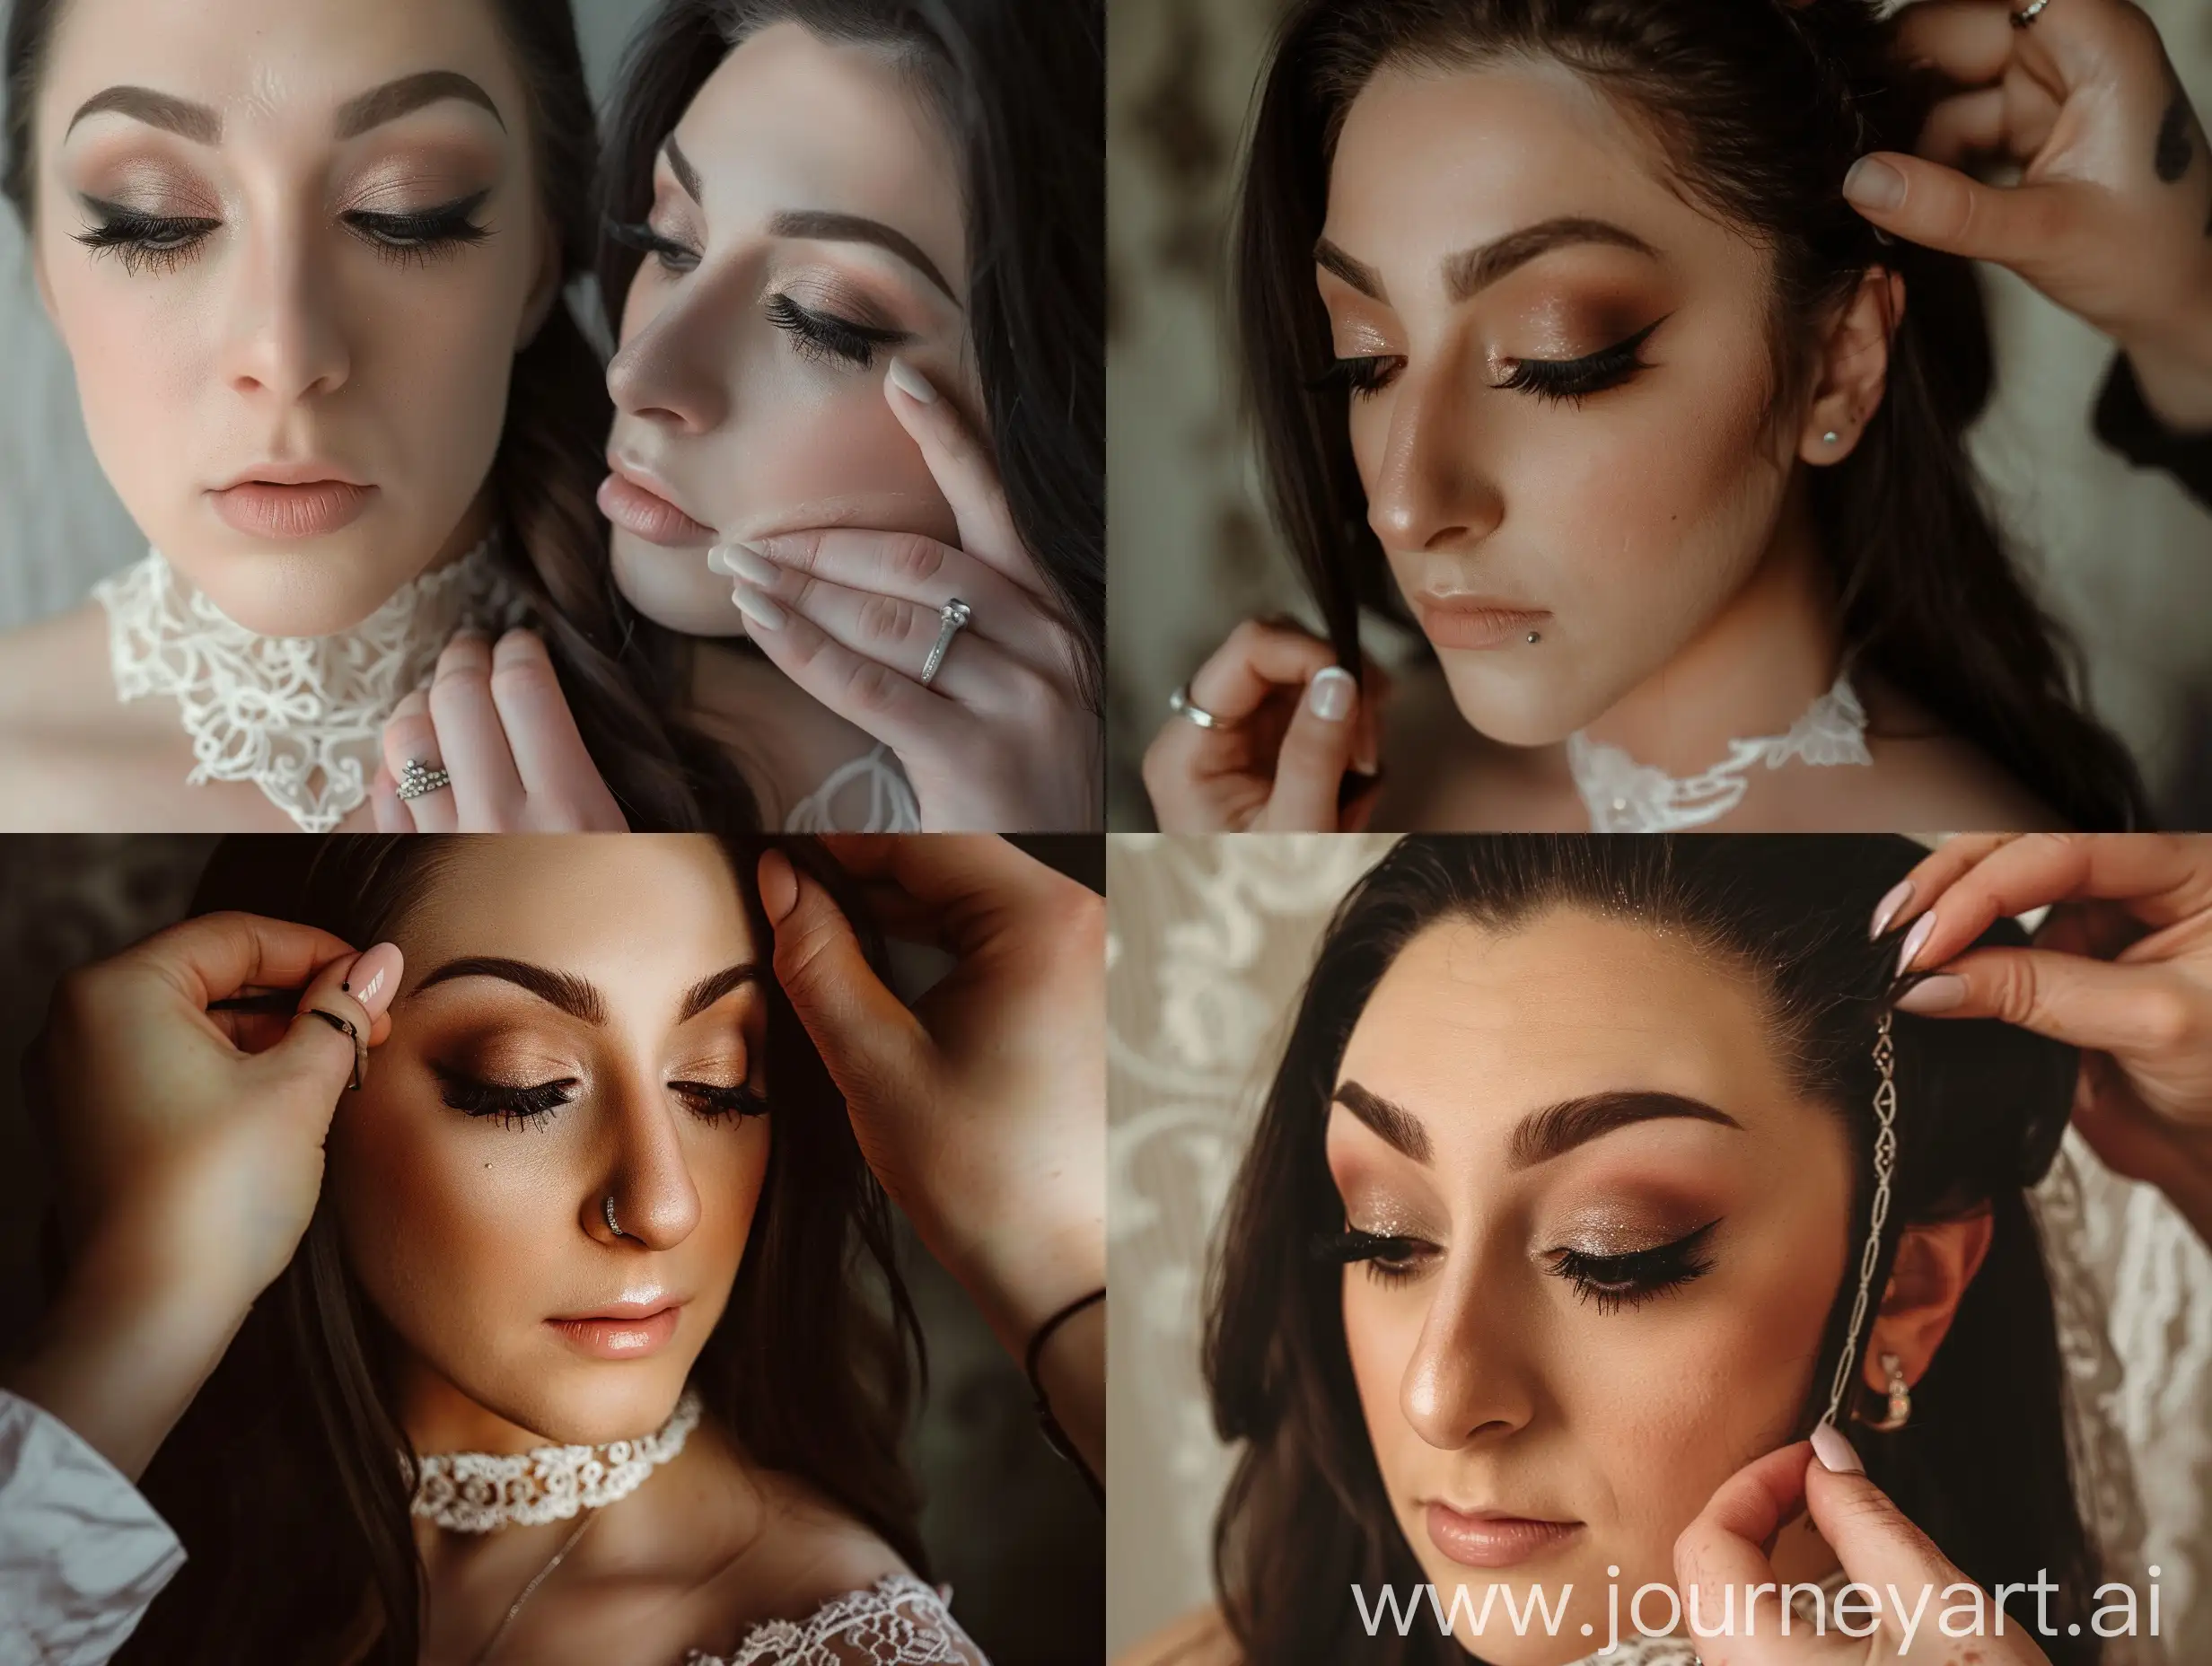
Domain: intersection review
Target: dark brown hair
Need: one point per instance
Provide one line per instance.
(284, 1479)
(619, 672)
(1763, 107)
(1020, 86)
(1982, 1466)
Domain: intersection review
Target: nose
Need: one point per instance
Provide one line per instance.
(286, 339)
(1430, 490)
(645, 1195)
(671, 369)
(1465, 1380)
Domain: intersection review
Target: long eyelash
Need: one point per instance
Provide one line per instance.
(672, 255)
(512, 1105)
(714, 1101)
(1363, 378)
(1613, 1281)
(824, 335)
(1384, 1256)
(139, 240)
(1576, 380)
(412, 239)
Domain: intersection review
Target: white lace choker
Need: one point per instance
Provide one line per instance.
(482, 1491)
(1624, 796)
(301, 718)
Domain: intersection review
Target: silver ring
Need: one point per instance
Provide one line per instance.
(2025, 17)
(609, 1211)
(1183, 706)
(954, 616)
(418, 779)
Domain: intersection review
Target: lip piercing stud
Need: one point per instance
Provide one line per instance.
(1535, 637)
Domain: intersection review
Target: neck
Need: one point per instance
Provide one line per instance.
(1752, 671)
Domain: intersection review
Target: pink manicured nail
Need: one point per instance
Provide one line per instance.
(912, 383)
(1890, 906)
(375, 978)
(1944, 993)
(758, 609)
(1834, 1452)
(1915, 939)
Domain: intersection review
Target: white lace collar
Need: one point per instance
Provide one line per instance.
(869, 795)
(480, 1492)
(898, 1621)
(301, 718)
(1624, 796)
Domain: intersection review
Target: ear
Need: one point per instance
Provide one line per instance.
(545, 292)
(1854, 369)
(1935, 1265)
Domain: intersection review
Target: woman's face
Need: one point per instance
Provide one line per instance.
(292, 247)
(1562, 386)
(580, 1020)
(806, 229)
(1618, 1231)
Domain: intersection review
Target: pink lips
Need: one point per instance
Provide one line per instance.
(622, 1329)
(1474, 621)
(1494, 1540)
(635, 507)
(289, 510)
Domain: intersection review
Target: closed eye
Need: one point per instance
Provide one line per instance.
(1578, 379)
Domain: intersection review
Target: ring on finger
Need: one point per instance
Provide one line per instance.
(952, 619)
(2025, 17)
(1183, 706)
(345, 1026)
(418, 779)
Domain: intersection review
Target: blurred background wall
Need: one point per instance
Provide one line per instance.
(1009, 1525)
(2126, 558)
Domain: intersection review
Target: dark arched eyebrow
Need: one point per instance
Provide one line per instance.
(1541, 1135)
(1473, 270)
(577, 996)
(373, 108)
(181, 117)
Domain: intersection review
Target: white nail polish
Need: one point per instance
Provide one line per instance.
(912, 383)
(723, 560)
(758, 609)
(1331, 693)
(1834, 1452)
(1890, 906)
(1915, 939)
(750, 565)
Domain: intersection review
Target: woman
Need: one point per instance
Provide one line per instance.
(308, 266)
(1567, 349)
(1558, 1215)
(581, 1195)
(853, 259)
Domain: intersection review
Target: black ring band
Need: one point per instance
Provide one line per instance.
(361, 1053)
(1055, 1436)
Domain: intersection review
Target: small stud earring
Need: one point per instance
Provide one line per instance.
(1900, 1398)
(1831, 437)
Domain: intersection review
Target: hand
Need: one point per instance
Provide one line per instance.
(2085, 101)
(189, 1144)
(1292, 723)
(1723, 1550)
(2122, 968)
(1001, 738)
(981, 1110)
(495, 721)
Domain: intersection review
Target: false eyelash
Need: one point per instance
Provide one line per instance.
(825, 335)
(672, 255)
(714, 1101)
(412, 239)
(510, 1104)
(1381, 1254)
(1576, 380)
(140, 239)
(1362, 378)
(1613, 1281)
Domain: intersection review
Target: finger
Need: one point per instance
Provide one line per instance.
(2159, 879)
(904, 565)
(1258, 660)
(1317, 750)
(358, 990)
(384, 801)
(1879, 1547)
(218, 957)
(2132, 1011)
(1930, 877)
(1967, 41)
(900, 635)
(1967, 125)
(488, 787)
(892, 707)
(1727, 1546)
(1941, 208)
(867, 1039)
(411, 738)
(963, 887)
(965, 473)
(542, 738)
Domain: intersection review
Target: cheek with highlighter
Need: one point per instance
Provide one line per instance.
(469, 1238)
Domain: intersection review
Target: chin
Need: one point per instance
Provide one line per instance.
(1521, 704)
(674, 588)
(317, 588)
(590, 1405)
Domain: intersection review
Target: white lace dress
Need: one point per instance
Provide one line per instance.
(898, 1621)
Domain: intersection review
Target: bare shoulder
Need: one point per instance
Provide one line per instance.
(1200, 1638)
(61, 729)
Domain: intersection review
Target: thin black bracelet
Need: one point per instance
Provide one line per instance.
(1056, 1437)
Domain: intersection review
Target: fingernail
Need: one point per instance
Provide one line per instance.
(779, 886)
(1834, 1452)
(723, 560)
(1944, 993)
(1887, 909)
(1873, 184)
(912, 383)
(757, 607)
(752, 566)
(375, 978)
(1915, 939)
(1331, 693)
